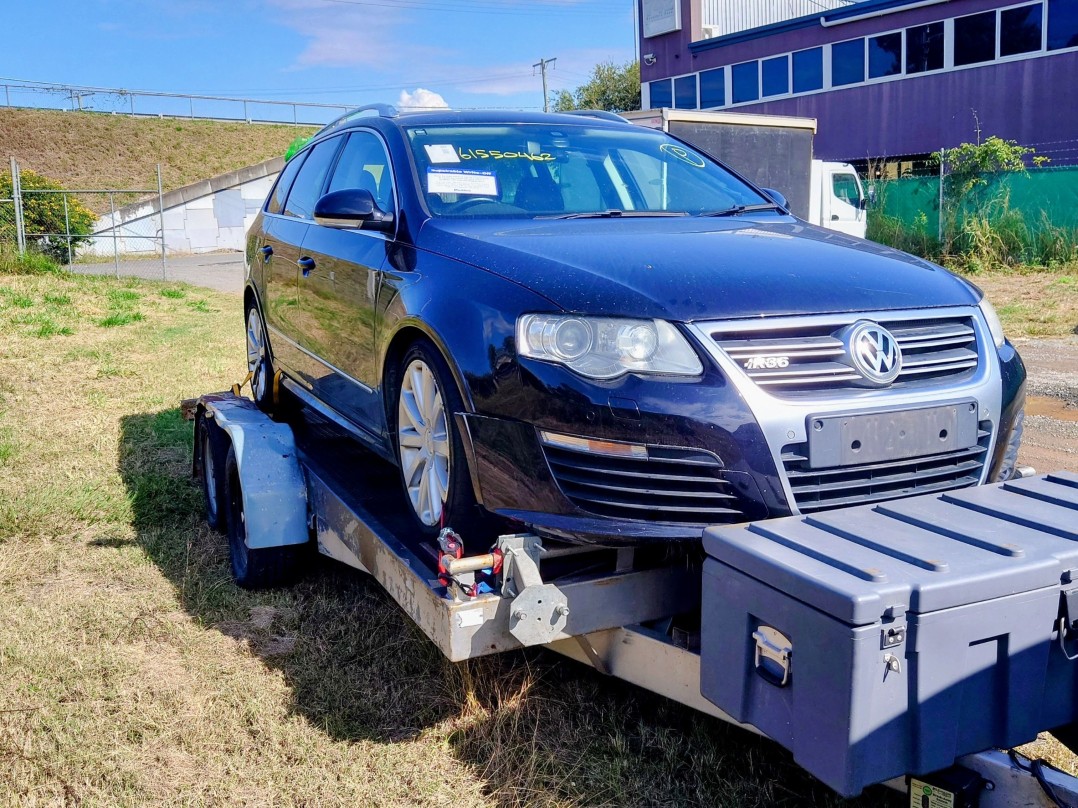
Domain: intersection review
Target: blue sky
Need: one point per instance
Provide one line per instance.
(471, 53)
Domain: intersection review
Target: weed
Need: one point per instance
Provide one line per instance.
(27, 263)
(48, 328)
(7, 444)
(174, 294)
(21, 301)
(199, 306)
(121, 296)
(54, 299)
(118, 318)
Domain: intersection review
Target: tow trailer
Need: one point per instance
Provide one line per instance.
(904, 643)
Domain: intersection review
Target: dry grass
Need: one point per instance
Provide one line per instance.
(94, 150)
(1043, 303)
(135, 672)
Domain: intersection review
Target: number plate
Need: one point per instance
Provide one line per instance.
(854, 440)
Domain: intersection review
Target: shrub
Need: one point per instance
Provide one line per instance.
(44, 216)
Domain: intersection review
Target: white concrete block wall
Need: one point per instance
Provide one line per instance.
(215, 221)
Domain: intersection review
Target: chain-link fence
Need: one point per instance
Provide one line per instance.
(83, 225)
(1026, 216)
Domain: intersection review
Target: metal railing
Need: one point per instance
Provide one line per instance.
(150, 103)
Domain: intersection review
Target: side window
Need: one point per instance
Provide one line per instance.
(845, 188)
(284, 182)
(312, 177)
(364, 164)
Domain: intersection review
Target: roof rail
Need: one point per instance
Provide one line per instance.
(602, 114)
(382, 110)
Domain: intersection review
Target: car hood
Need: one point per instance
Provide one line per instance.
(696, 268)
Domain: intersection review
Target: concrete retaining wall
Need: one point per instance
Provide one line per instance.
(203, 217)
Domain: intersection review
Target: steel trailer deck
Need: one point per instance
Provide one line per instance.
(611, 609)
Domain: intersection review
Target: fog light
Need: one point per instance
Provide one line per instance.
(604, 447)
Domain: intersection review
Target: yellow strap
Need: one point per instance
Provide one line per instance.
(237, 387)
(277, 387)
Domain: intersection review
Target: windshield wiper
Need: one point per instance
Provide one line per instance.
(615, 213)
(737, 210)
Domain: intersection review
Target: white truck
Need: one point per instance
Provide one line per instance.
(774, 152)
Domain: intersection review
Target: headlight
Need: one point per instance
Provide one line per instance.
(994, 325)
(606, 347)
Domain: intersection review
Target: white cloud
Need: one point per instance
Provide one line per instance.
(421, 99)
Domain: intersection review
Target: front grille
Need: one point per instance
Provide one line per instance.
(818, 489)
(669, 485)
(808, 357)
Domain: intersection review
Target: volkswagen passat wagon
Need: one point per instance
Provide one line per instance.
(598, 331)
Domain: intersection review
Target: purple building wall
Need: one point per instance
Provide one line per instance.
(1031, 100)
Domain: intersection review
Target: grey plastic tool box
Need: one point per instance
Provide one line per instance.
(887, 639)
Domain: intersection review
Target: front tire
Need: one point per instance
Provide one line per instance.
(430, 453)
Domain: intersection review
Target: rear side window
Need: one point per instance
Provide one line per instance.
(284, 182)
(308, 186)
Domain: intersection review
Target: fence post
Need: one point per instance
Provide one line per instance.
(67, 231)
(939, 233)
(20, 221)
(161, 220)
(115, 244)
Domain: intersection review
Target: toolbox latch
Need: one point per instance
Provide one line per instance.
(773, 652)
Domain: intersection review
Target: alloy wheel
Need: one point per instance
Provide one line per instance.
(423, 442)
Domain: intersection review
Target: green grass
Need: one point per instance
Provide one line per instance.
(134, 672)
(122, 296)
(174, 294)
(119, 318)
(48, 328)
(198, 305)
(57, 299)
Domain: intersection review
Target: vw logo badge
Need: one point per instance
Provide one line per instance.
(873, 352)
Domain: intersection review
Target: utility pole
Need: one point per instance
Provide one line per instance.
(542, 65)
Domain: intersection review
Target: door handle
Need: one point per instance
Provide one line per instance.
(306, 264)
(834, 217)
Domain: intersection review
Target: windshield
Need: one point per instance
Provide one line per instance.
(540, 170)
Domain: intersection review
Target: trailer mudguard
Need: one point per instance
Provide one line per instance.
(272, 484)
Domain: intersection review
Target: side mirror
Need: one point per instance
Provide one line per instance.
(352, 209)
(777, 198)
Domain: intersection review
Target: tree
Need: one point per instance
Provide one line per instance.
(611, 87)
(44, 216)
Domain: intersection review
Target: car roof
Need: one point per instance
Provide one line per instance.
(388, 115)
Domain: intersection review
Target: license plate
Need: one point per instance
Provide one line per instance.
(854, 440)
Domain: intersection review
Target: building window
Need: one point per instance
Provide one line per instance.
(847, 62)
(808, 70)
(746, 81)
(685, 92)
(1062, 24)
(776, 76)
(885, 55)
(975, 38)
(1020, 30)
(661, 94)
(712, 88)
(924, 48)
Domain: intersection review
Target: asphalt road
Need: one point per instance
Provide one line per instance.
(1051, 435)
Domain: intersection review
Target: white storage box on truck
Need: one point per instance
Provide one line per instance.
(774, 152)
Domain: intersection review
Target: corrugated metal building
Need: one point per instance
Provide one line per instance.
(884, 78)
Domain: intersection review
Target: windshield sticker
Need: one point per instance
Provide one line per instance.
(441, 153)
(460, 181)
(498, 154)
(683, 154)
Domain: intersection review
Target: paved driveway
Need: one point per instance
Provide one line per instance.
(220, 271)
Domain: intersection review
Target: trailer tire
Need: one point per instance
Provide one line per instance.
(210, 442)
(255, 568)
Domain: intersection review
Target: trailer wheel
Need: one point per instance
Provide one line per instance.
(209, 442)
(260, 568)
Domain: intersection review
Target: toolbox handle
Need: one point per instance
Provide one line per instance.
(773, 652)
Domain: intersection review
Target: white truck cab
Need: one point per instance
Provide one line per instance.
(837, 200)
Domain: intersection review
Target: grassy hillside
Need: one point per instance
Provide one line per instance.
(93, 150)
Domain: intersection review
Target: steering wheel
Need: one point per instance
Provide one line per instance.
(465, 204)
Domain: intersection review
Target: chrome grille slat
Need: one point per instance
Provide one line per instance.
(934, 349)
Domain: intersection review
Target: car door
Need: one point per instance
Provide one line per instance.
(278, 250)
(342, 289)
(842, 198)
(294, 334)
